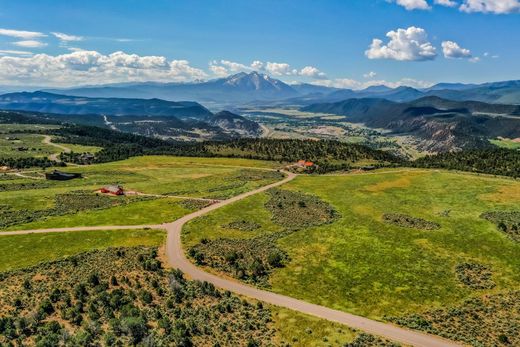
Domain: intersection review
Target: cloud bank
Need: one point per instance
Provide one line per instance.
(91, 67)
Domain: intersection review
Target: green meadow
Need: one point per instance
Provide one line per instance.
(215, 178)
(361, 264)
(506, 143)
(31, 143)
(20, 251)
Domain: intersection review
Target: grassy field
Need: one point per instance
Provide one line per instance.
(298, 329)
(19, 251)
(362, 265)
(32, 143)
(188, 177)
(506, 143)
(79, 148)
(24, 251)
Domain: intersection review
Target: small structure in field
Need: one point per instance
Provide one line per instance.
(305, 164)
(87, 157)
(61, 176)
(12, 138)
(368, 168)
(113, 190)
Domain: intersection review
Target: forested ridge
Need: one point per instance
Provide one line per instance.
(329, 155)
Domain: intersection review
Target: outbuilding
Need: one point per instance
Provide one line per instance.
(61, 176)
(113, 190)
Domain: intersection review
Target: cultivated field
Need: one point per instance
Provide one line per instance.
(403, 243)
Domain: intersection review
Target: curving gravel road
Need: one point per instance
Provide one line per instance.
(177, 259)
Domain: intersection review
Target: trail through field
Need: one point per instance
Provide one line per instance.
(177, 258)
(48, 141)
(19, 174)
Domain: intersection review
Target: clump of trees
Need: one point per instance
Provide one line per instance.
(250, 260)
(475, 276)
(242, 225)
(406, 221)
(295, 210)
(22, 163)
(507, 222)
(329, 155)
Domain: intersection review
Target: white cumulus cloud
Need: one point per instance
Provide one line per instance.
(413, 4)
(491, 6)
(14, 52)
(311, 71)
(279, 69)
(358, 85)
(257, 65)
(452, 49)
(91, 67)
(404, 44)
(370, 74)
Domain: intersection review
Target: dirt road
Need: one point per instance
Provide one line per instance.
(48, 141)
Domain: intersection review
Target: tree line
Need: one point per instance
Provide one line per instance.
(495, 161)
(329, 155)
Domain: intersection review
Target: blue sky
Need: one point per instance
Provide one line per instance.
(460, 41)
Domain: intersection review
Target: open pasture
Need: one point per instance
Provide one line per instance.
(166, 178)
(19, 145)
(20, 251)
(361, 264)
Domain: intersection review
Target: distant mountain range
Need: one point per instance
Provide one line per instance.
(63, 104)
(151, 117)
(498, 92)
(440, 124)
(254, 87)
(241, 88)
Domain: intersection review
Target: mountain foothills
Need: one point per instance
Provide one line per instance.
(442, 125)
(151, 117)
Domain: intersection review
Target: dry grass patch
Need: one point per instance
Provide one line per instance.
(509, 193)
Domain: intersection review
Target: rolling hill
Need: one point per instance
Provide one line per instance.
(64, 104)
(441, 125)
(149, 117)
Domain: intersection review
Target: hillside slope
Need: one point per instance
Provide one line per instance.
(441, 125)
